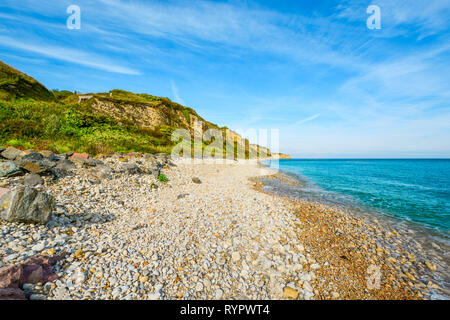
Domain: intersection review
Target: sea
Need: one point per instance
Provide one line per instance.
(411, 196)
(413, 191)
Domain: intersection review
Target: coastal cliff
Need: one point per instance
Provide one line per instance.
(280, 156)
(115, 121)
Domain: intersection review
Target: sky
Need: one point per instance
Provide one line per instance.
(313, 70)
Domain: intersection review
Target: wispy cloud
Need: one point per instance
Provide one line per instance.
(69, 55)
(175, 92)
(298, 123)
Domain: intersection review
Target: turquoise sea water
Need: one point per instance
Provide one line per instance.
(414, 190)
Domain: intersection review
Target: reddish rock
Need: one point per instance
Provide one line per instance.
(10, 276)
(43, 260)
(133, 155)
(12, 294)
(83, 156)
(33, 274)
(4, 191)
(45, 263)
(35, 269)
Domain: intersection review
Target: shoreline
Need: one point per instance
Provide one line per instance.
(413, 254)
(207, 233)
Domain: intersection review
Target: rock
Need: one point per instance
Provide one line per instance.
(11, 153)
(219, 294)
(10, 276)
(36, 163)
(9, 169)
(38, 297)
(431, 266)
(65, 165)
(391, 260)
(79, 156)
(314, 266)
(32, 274)
(181, 196)
(24, 204)
(49, 155)
(154, 296)
(38, 247)
(335, 295)
(143, 279)
(32, 156)
(11, 257)
(79, 254)
(235, 256)
(12, 294)
(33, 180)
(196, 180)
(105, 169)
(46, 263)
(290, 293)
(199, 286)
(131, 168)
(87, 162)
(307, 286)
(4, 191)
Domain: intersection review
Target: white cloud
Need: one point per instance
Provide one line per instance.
(298, 123)
(175, 92)
(69, 55)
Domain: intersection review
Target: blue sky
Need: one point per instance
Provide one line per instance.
(311, 69)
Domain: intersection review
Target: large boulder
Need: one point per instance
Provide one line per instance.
(25, 204)
(33, 180)
(10, 276)
(12, 294)
(131, 168)
(12, 153)
(63, 168)
(49, 155)
(9, 169)
(65, 165)
(34, 270)
(36, 163)
(4, 191)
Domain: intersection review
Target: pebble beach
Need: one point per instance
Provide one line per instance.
(209, 232)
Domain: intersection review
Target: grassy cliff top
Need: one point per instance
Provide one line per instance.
(15, 84)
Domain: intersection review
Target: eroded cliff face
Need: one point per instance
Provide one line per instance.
(280, 156)
(141, 114)
(158, 114)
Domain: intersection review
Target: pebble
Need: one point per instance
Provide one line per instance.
(129, 240)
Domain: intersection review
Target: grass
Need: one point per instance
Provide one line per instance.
(15, 84)
(66, 127)
(163, 178)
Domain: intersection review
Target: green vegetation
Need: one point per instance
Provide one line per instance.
(163, 178)
(66, 127)
(33, 117)
(15, 84)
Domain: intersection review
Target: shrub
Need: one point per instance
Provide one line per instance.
(163, 178)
